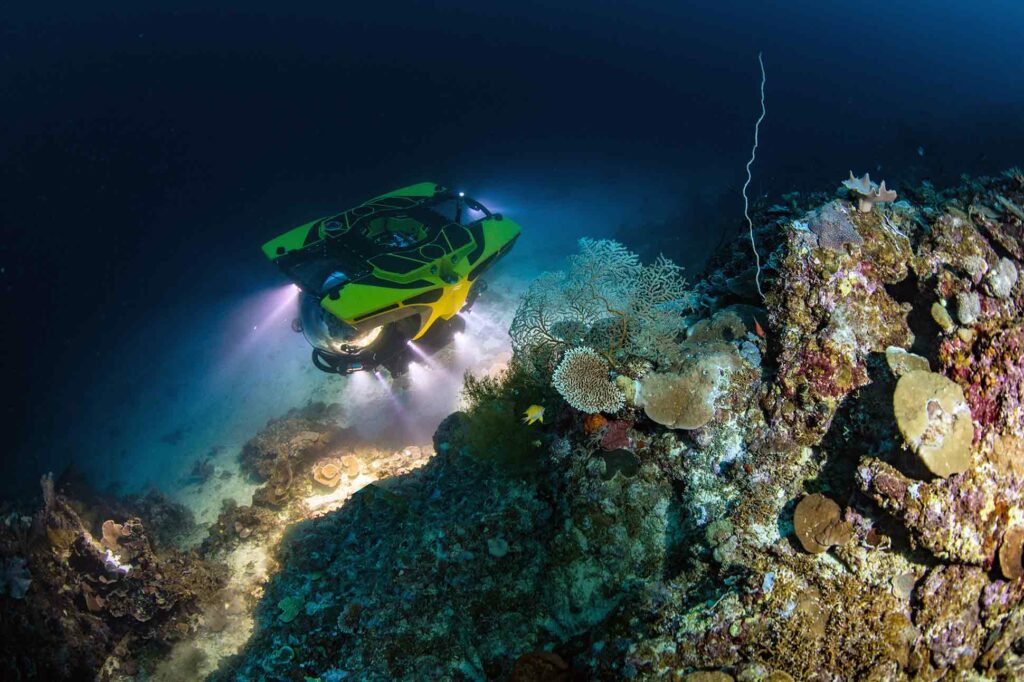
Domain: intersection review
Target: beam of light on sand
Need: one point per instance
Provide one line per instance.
(321, 504)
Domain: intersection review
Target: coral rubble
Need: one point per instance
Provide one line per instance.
(95, 601)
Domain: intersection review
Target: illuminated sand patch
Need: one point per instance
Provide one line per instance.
(227, 623)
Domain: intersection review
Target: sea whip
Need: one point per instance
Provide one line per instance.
(746, 203)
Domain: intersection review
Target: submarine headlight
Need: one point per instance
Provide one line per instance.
(462, 194)
(331, 335)
(361, 340)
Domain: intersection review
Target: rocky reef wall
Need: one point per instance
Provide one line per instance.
(670, 480)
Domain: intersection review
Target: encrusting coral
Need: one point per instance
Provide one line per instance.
(818, 523)
(327, 472)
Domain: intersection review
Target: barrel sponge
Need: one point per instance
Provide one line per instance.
(582, 379)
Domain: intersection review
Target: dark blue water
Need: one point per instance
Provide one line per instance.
(147, 152)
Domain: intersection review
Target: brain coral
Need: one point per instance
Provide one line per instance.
(582, 379)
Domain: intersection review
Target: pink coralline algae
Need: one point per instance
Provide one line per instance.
(616, 435)
(990, 368)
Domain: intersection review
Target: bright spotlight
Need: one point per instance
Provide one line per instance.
(361, 380)
(418, 373)
(462, 194)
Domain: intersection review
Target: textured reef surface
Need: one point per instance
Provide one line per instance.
(823, 484)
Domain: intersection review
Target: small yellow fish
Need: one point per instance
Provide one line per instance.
(534, 413)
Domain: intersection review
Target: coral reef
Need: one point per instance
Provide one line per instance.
(826, 484)
(83, 608)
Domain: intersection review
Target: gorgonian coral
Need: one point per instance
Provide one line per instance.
(607, 299)
(582, 379)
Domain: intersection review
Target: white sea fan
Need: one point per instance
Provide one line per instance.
(608, 299)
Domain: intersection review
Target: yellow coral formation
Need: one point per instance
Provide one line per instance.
(935, 420)
(327, 472)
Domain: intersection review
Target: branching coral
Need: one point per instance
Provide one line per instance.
(582, 379)
(606, 299)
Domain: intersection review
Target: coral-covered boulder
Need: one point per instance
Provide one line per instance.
(1001, 279)
(948, 614)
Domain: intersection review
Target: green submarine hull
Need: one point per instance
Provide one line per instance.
(394, 269)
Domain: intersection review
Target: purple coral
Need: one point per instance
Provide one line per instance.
(833, 227)
(991, 371)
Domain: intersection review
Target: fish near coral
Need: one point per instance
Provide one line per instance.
(533, 413)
